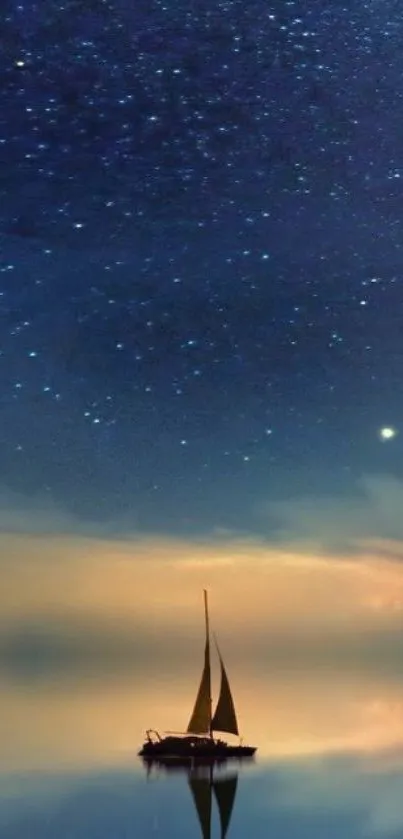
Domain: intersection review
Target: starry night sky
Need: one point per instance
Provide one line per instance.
(201, 254)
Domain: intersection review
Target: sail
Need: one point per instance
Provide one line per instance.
(225, 791)
(201, 791)
(224, 718)
(200, 721)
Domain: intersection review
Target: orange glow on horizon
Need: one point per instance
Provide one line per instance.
(293, 627)
(157, 584)
(287, 716)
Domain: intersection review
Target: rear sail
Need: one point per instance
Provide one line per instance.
(200, 721)
(224, 718)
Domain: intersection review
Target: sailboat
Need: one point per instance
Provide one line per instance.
(198, 742)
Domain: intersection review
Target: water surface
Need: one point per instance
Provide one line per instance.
(329, 762)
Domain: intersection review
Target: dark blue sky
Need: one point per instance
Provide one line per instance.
(201, 254)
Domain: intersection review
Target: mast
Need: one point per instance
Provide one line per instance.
(200, 721)
(208, 654)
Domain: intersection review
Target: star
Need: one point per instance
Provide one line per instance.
(387, 433)
(198, 337)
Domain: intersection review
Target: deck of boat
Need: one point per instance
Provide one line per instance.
(194, 748)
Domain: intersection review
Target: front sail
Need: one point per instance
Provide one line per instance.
(224, 718)
(200, 721)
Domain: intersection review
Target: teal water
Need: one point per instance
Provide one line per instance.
(347, 795)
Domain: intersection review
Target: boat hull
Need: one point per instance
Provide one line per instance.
(177, 749)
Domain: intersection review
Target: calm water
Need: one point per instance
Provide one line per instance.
(330, 762)
(325, 797)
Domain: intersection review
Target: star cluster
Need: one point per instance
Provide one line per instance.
(201, 252)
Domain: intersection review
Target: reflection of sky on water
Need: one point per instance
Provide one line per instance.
(316, 797)
(87, 725)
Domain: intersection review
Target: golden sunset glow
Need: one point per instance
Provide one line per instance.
(107, 641)
(150, 583)
(101, 723)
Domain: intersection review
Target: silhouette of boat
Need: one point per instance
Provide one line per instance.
(205, 785)
(199, 743)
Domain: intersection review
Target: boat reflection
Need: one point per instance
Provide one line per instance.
(207, 781)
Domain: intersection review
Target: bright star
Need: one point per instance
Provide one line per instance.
(387, 433)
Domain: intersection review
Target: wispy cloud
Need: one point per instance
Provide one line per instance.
(331, 586)
(340, 524)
